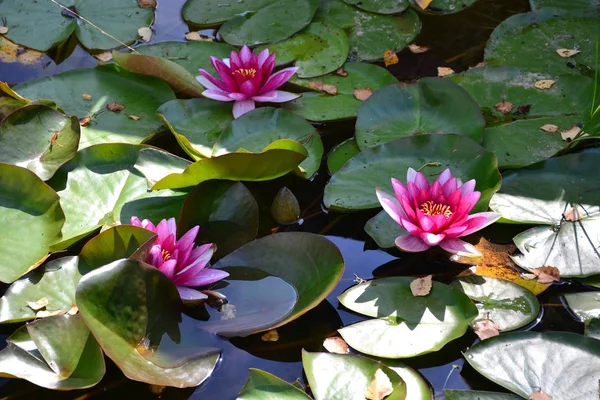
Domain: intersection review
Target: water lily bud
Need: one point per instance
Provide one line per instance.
(285, 208)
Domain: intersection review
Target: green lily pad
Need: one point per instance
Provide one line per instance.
(156, 163)
(501, 359)
(141, 96)
(38, 138)
(257, 129)
(587, 5)
(432, 105)
(261, 385)
(133, 310)
(453, 394)
(384, 230)
(196, 123)
(37, 352)
(41, 25)
(417, 388)
(226, 212)
(353, 186)
(586, 306)
(445, 6)
(543, 33)
(56, 281)
(347, 377)
(370, 35)
(101, 188)
(340, 154)
(310, 263)
(405, 325)
(273, 161)
(324, 107)
(507, 304)
(316, 50)
(380, 6)
(30, 223)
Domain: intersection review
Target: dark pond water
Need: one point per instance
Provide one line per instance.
(456, 41)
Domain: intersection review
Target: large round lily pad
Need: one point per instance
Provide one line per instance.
(340, 154)
(31, 219)
(369, 34)
(432, 105)
(316, 50)
(316, 106)
(37, 352)
(42, 24)
(530, 41)
(259, 128)
(353, 186)
(348, 377)
(133, 310)
(38, 138)
(310, 263)
(405, 325)
(141, 96)
(553, 362)
(507, 304)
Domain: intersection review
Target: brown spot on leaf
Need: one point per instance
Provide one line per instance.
(133, 117)
(570, 133)
(544, 84)
(362, 93)
(115, 107)
(323, 87)
(195, 36)
(39, 304)
(567, 52)
(549, 128)
(341, 72)
(421, 286)
(85, 121)
(523, 110)
(505, 107)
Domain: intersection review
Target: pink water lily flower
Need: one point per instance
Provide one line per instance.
(436, 214)
(245, 79)
(179, 260)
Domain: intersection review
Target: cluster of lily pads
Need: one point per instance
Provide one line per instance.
(94, 245)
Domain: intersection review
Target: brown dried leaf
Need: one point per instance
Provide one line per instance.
(380, 386)
(540, 395)
(416, 49)
(115, 107)
(270, 336)
(195, 36)
(567, 52)
(547, 274)
(323, 87)
(423, 3)
(85, 121)
(574, 213)
(341, 72)
(486, 329)
(336, 345)
(3, 30)
(544, 84)
(570, 133)
(105, 57)
(505, 107)
(73, 310)
(421, 286)
(390, 57)
(362, 93)
(145, 33)
(133, 117)
(549, 128)
(478, 65)
(147, 3)
(38, 305)
(45, 314)
(443, 71)
(86, 97)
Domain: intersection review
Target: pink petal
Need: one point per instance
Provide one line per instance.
(450, 186)
(200, 257)
(479, 221)
(408, 208)
(242, 107)
(444, 176)
(411, 175)
(278, 79)
(410, 227)
(168, 268)
(457, 246)
(432, 239)
(206, 83)
(268, 66)
(411, 244)
(467, 188)
(262, 57)
(224, 73)
(216, 95)
(421, 181)
(206, 277)
(455, 230)
(235, 61)
(282, 96)
(226, 62)
(185, 245)
(248, 88)
(211, 83)
(399, 188)
(146, 224)
(425, 221)
(155, 256)
(391, 205)
(266, 97)
(172, 225)
(245, 54)
(186, 293)
(135, 221)
(238, 96)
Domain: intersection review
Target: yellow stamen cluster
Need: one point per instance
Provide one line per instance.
(431, 208)
(165, 255)
(246, 72)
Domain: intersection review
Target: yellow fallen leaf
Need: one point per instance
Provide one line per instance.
(323, 87)
(443, 71)
(421, 286)
(416, 49)
(270, 336)
(549, 128)
(423, 3)
(362, 93)
(37, 305)
(336, 345)
(486, 329)
(145, 33)
(390, 57)
(380, 386)
(504, 107)
(567, 52)
(544, 84)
